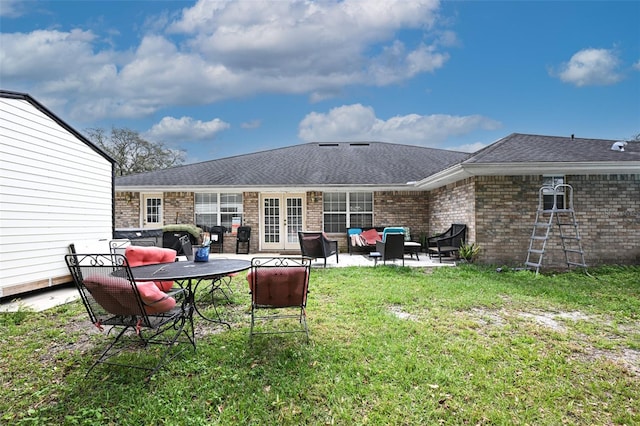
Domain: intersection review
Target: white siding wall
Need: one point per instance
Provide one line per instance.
(54, 190)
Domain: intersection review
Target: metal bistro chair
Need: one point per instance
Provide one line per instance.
(139, 314)
(279, 284)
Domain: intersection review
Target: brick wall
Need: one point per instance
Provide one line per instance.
(251, 217)
(607, 211)
(178, 207)
(454, 203)
(127, 210)
(498, 210)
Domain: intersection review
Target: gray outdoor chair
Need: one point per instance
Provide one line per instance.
(315, 245)
(391, 248)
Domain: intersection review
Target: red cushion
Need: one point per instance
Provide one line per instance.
(278, 287)
(142, 255)
(371, 236)
(154, 299)
(116, 296)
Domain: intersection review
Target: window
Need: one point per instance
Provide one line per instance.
(342, 210)
(549, 183)
(218, 209)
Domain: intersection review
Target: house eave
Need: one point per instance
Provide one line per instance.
(410, 186)
(462, 171)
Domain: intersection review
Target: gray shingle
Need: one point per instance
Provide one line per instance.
(520, 148)
(362, 163)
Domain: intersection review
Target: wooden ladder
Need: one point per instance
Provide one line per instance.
(565, 219)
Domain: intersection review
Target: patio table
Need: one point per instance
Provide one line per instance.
(190, 274)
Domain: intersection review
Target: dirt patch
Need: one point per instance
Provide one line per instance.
(399, 313)
(560, 322)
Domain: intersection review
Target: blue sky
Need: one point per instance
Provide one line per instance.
(222, 78)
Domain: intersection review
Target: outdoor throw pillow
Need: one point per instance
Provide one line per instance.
(371, 236)
(140, 255)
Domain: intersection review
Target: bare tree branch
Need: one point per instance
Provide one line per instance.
(134, 154)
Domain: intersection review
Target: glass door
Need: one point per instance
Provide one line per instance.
(152, 211)
(282, 216)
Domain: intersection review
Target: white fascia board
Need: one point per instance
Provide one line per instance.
(462, 171)
(285, 189)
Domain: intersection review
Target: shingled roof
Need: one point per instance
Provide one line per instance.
(376, 164)
(386, 165)
(520, 148)
(520, 154)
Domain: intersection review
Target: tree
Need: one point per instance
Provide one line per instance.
(134, 154)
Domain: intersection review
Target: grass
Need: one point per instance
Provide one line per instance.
(388, 345)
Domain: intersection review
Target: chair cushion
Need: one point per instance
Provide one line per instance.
(115, 295)
(278, 287)
(371, 236)
(139, 256)
(390, 230)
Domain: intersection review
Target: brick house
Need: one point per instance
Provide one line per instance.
(332, 186)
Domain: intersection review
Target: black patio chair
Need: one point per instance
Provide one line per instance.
(391, 248)
(315, 245)
(243, 238)
(447, 243)
(139, 314)
(279, 287)
(217, 238)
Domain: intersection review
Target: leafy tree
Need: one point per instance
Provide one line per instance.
(132, 153)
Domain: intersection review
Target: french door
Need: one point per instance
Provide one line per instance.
(151, 213)
(281, 216)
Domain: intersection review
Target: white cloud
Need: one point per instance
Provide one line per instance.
(11, 8)
(218, 50)
(591, 67)
(359, 123)
(636, 66)
(185, 129)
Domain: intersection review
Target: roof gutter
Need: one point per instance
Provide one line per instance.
(274, 188)
(462, 171)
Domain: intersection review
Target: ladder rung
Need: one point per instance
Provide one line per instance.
(542, 224)
(535, 265)
(567, 224)
(536, 251)
(564, 237)
(538, 237)
(577, 264)
(574, 251)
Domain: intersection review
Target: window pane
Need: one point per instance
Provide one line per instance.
(361, 220)
(360, 202)
(206, 203)
(335, 222)
(549, 182)
(334, 201)
(213, 209)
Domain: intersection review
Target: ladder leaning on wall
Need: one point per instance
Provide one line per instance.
(565, 219)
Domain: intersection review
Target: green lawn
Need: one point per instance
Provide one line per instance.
(388, 345)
